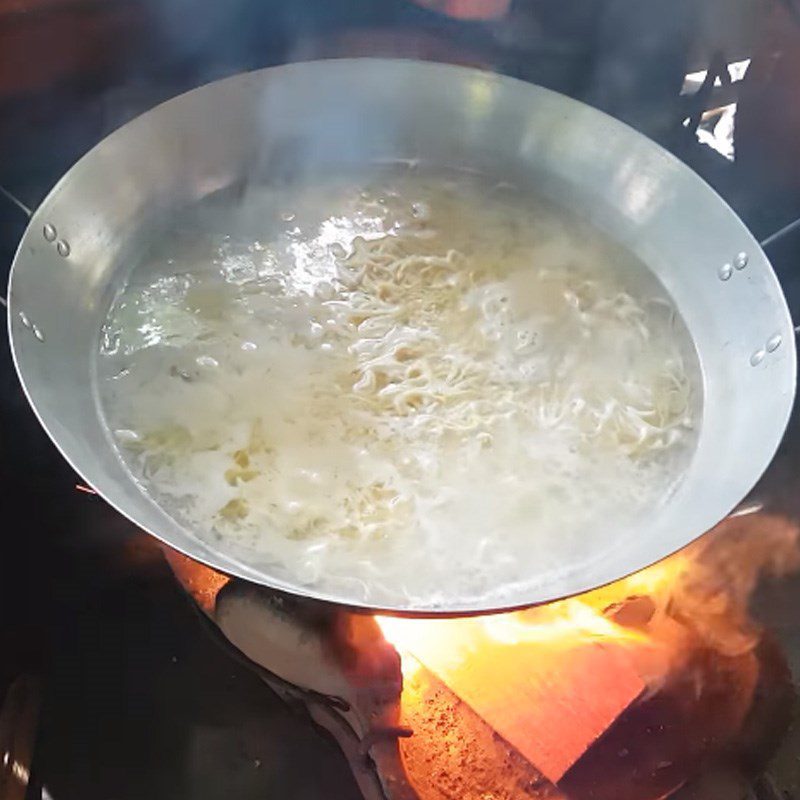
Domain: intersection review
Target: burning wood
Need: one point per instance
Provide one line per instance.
(469, 761)
(548, 699)
(661, 665)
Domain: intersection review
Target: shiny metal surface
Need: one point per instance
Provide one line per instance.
(278, 123)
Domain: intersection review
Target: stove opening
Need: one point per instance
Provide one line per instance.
(660, 685)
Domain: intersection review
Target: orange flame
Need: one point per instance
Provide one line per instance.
(697, 597)
(567, 621)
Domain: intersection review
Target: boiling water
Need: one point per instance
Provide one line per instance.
(410, 388)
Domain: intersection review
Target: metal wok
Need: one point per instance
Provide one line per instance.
(77, 250)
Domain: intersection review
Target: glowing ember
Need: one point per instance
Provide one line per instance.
(513, 670)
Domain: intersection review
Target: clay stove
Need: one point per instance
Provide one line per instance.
(635, 691)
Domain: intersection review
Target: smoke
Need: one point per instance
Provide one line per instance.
(712, 594)
(700, 615)
(682, 615)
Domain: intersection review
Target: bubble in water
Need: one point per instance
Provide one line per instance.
(420, 211)
(324, 291)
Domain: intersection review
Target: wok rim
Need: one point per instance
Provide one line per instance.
(232, 567)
